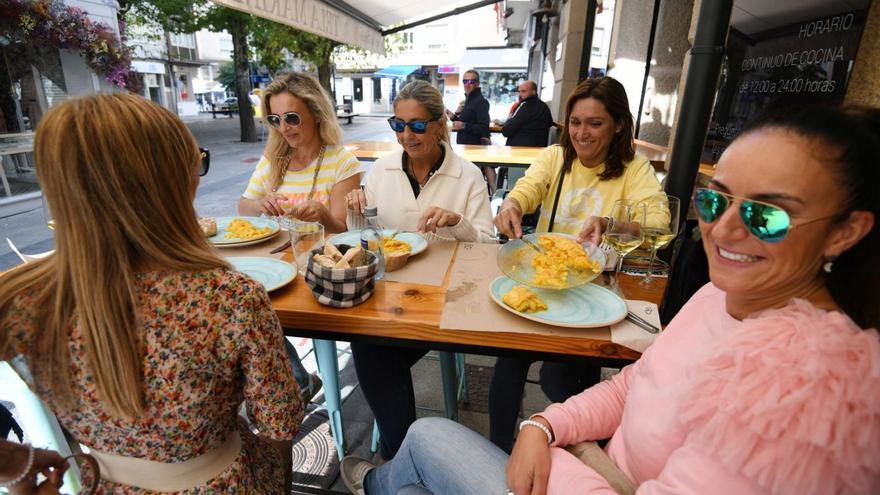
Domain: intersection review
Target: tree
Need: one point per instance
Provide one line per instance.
(189, 16)
(272, 38)
(226, 76)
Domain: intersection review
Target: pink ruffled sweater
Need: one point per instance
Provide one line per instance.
(785, 402)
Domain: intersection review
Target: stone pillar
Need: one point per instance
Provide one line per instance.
(632, 29)
(863, 88)
(569, 37)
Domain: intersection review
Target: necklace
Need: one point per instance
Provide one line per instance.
(284, 167)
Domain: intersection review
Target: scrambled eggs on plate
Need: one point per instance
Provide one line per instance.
(245, 230)
(560, 257)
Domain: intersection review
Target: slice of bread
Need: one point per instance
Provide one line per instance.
(355, 256)
(395, 261)
(332, 252)
(208, 225)
(342, 264)
(324, 260)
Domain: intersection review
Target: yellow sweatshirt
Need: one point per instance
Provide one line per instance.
(583, 194)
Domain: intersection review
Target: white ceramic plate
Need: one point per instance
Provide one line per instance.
(585, 306)
(270, 272)
(219, 239)
(353, 238)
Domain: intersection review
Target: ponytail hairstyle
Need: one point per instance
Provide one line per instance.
(851, 136)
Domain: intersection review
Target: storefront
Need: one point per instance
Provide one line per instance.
(501, 71)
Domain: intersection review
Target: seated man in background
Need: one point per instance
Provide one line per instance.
(530, 122)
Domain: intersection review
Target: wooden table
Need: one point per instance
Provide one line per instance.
(506, 156)
(13, 144)
(408, 315)
(510, 156)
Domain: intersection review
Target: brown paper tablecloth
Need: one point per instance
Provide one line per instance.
(470, 307)
(428, 267)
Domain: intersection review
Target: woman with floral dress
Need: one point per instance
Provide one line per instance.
(139, 338)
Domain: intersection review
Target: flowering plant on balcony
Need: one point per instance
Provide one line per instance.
(40, 22)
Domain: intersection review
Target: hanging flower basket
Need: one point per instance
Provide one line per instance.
(43, 22)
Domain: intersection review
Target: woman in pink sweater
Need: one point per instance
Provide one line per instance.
(764, 383)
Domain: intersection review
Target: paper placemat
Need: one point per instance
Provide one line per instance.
(629, 335)
(470, 307)
(426, 268)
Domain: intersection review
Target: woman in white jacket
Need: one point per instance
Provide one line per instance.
(425, 187)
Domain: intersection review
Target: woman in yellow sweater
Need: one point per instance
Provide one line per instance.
(576, 183)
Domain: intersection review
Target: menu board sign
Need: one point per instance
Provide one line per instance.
(802, 62)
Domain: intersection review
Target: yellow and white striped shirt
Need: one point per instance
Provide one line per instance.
(338, 164)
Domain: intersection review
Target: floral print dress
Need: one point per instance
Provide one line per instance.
(211, 341)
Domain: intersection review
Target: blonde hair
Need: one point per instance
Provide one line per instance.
(307, 89)
(117, 172)
(430, 99)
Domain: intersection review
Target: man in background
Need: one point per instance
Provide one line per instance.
(531, 120)
(471, 121)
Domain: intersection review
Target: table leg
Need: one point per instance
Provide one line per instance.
(6, 187)
(450, 384)
(328, 367)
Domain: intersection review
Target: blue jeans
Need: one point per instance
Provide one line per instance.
(299, 371)
(441, 457)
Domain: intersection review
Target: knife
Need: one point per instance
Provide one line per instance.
(641, 323)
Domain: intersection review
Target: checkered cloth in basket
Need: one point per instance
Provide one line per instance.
(342, 287)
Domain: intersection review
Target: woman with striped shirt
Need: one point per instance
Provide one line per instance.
(305, 172)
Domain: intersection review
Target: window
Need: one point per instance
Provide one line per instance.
(377, 89)
(357, 87)
(598, 41)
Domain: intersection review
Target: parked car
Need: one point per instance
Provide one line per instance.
(230, 103)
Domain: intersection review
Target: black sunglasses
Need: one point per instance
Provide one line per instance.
(470, 81)
(417, 126)
(290, 118)
(205, 154)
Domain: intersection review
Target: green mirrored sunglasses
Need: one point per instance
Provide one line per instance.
(767, 222)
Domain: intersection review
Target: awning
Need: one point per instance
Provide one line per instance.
(316, 17)
(495, 58)
(398, 71)
(356, 23)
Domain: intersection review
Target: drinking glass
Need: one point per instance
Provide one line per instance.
(304, 237)
(624, 232)
(661, 227)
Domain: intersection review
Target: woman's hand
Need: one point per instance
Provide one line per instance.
(309, 211)
(592, 230)
(48, 462)
(509, 219)
(529, 466)
(272, 204)
(435, 217)
(356, 200)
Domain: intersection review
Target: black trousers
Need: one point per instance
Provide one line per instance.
(385, 378)
(559, 381)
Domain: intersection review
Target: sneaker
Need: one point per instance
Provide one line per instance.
(354, 470)
(315, 385)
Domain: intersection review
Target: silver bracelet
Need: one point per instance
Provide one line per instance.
(532, 422)
(21, 477)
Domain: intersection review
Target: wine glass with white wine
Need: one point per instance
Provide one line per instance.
(624, 232)
(661, 227)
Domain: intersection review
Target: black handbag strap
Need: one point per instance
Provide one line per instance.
(556, 199)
